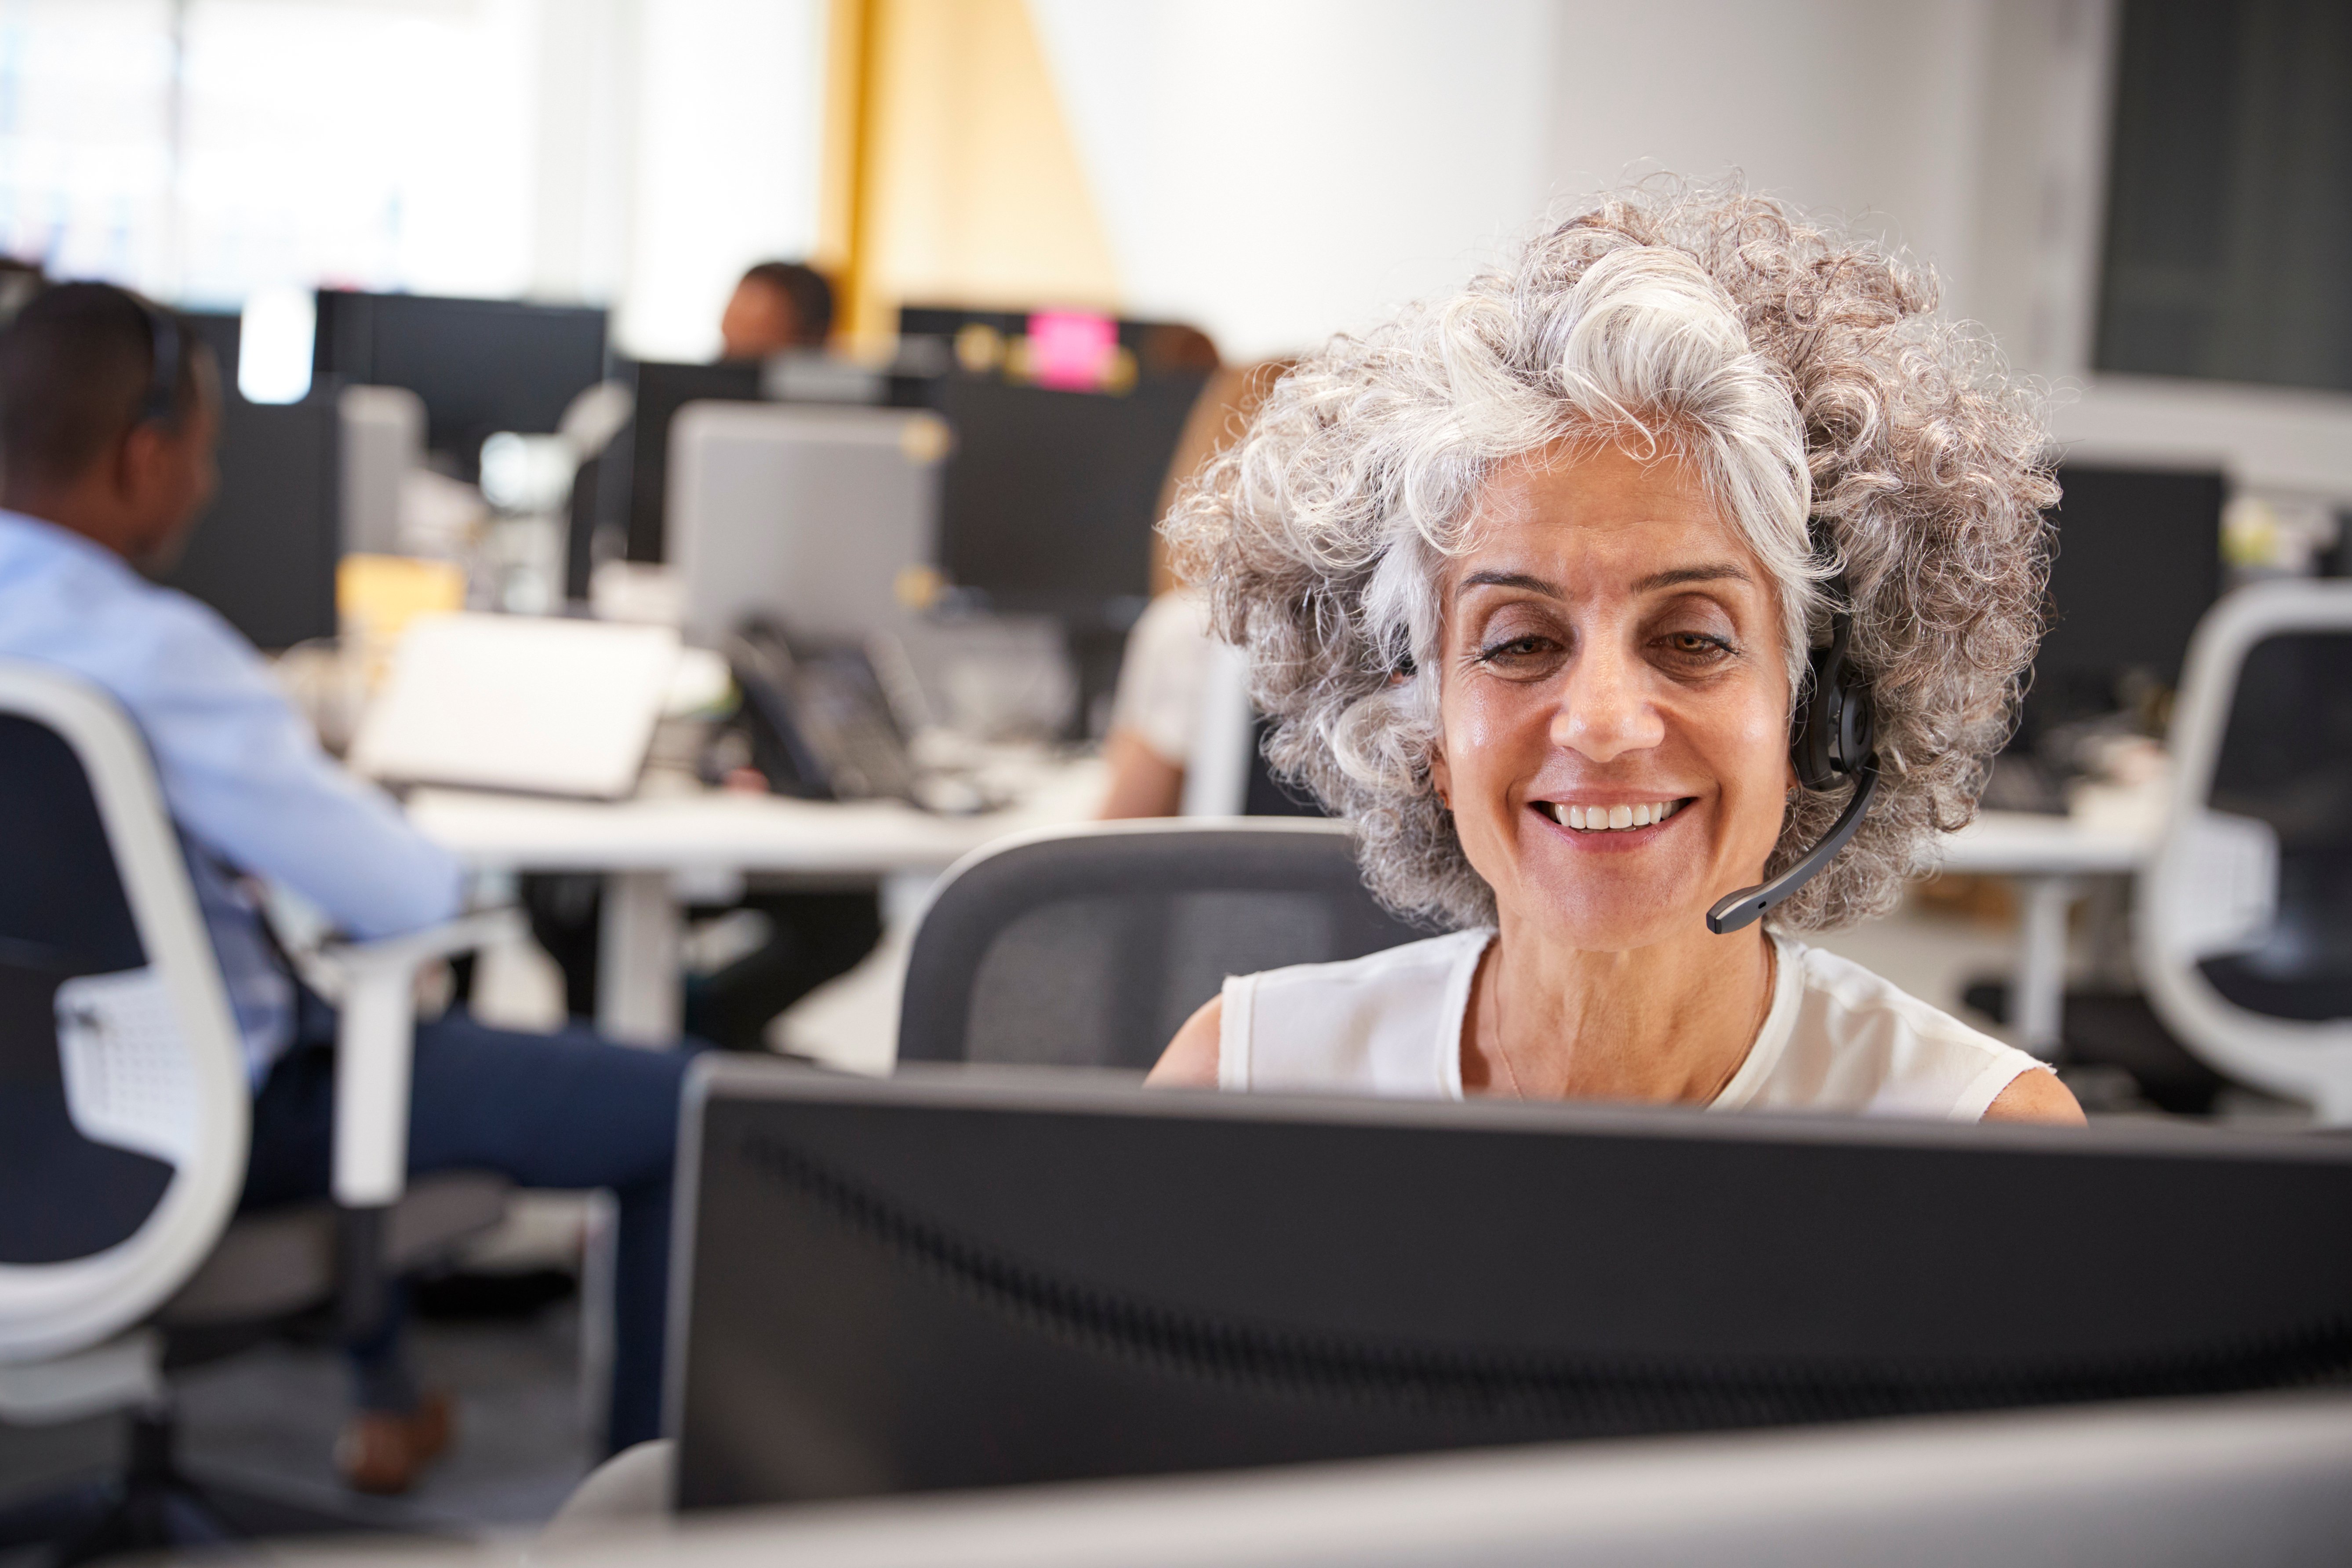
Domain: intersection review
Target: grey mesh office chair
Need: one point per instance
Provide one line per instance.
(2245, 920)
(124, 1118)
(1090, 946)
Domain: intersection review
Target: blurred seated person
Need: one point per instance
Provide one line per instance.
(778, 305)
(1171, 659)
(109, 408)
(803, 938)
(1530, 580)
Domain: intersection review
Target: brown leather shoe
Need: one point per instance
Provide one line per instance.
(382, 1453)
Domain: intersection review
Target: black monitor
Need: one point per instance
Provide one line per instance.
(1050, 496)
(974, 1279)
(221, 332)
(1143, 339)
(264, 553)
(2138, 564)
(481, 366)
(661, 390)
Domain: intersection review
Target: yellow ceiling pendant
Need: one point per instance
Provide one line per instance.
(950, 177)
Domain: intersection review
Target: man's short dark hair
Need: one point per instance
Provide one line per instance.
(811, 296)
(75, 372)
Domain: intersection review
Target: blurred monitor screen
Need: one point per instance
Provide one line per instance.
(1051, 497)
(976, 1278)
(662, 389)
(264, 552)
(2138, 563)
(804, 517)
(481, 366)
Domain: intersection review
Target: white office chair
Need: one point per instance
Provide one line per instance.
(125, 1112)
(2244, 918)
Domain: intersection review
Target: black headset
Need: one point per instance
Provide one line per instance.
(1830, 741)
(166, 349)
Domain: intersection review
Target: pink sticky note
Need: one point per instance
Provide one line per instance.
(1071, 349)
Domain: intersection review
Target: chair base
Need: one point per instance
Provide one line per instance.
(153, 1506)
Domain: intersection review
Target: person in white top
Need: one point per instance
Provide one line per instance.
(1531, 582)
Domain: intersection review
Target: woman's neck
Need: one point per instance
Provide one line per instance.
(1666, 1022)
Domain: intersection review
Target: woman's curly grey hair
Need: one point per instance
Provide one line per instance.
(1797, 367)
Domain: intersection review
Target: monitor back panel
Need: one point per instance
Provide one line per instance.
(661, 389)
(1051, 495)
(481, 366)
(803, 517)
(923, 1284)
(264, 552)
(2138, 563)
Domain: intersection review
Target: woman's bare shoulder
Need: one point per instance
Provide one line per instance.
(1190, 1059)
(2036, 1095)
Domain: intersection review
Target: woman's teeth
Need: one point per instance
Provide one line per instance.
(1604, 819)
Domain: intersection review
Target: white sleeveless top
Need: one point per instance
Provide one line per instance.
(1838, 1038)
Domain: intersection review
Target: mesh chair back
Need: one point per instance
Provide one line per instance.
(1089, 947)
(124, 1106)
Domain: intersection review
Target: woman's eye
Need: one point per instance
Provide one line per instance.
(1516, 650)
(1695, 647)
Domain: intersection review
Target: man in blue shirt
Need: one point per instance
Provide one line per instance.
(105, 461)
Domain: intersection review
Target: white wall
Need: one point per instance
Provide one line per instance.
(1854, 106)
(728, 120)
(1277, 172)
(677, 142)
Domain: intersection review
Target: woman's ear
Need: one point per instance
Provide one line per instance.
(1441, 777)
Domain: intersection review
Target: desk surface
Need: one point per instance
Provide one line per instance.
(2024, 844)
(724, 831)
(719, 830)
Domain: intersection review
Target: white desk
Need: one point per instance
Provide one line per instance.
(2047, 856)
(641, 845)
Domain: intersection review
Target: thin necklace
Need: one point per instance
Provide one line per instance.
(1502, 1052)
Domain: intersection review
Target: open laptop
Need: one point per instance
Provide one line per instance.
(972, 1278)
(519, 702)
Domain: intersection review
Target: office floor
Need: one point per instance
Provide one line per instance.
(266, 1421)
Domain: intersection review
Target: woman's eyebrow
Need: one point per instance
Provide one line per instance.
(1520, 580)
(1726, 571)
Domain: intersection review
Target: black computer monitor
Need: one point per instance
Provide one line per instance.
(1143, 339)
(481, 366)
(221, 332)
(979, 1279)
(661, 390)
(2138, 564)
(264, 553)
(1050, 496)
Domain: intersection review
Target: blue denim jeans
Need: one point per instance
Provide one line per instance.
(545, 1110)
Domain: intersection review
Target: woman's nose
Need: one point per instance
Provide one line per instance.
(1605, 709)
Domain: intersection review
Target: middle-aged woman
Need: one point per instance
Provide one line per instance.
(1529, 580)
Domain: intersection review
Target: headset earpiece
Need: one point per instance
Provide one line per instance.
(166, 348)
(1830, 741)
(1834, 726)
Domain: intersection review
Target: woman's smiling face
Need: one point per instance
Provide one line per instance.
(1610, 648)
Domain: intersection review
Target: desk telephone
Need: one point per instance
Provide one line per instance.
(817, 719)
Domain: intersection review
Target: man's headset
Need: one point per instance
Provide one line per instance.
(1829, 740)
(166, 349)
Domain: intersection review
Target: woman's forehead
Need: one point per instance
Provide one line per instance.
(1601, 517)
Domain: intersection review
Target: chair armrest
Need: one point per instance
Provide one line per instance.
(411, 951)
(372, 1046)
